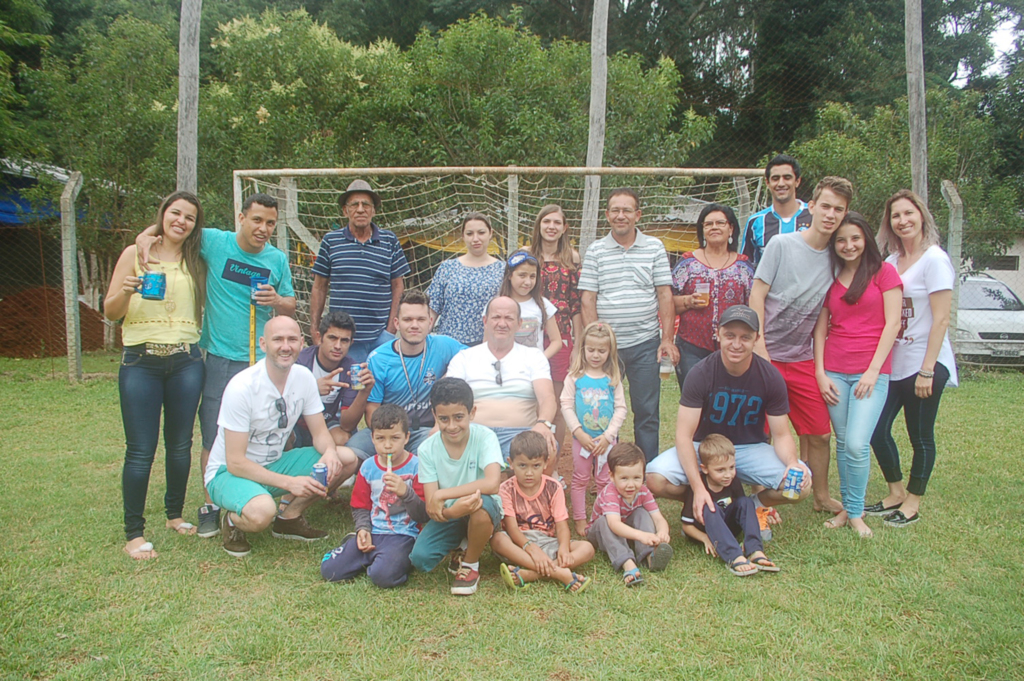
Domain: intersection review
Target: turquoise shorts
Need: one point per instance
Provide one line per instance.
(233, 493)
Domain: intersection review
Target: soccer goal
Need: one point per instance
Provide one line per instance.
(425, 206)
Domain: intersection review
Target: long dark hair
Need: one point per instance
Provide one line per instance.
(730, 217)
(870, 259)
(514, 262)
(192, 263)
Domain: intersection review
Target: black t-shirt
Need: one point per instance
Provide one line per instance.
(734, 406)
(723, 499)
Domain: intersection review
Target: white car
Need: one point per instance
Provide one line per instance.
(990, 322)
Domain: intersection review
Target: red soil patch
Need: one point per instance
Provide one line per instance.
(32, 324)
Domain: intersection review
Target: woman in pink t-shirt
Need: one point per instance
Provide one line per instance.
(852, 355)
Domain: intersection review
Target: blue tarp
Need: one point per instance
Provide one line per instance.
(16, 210)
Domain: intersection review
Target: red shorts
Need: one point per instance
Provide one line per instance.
(807, 409)
(560, 362)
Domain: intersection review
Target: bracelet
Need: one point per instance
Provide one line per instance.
(926, 374)
(528, 542)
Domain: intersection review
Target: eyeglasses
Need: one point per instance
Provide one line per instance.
(716, 223)
(622, 211)
(282, 406)
(519, 258)
(497, 368)
(365, 205)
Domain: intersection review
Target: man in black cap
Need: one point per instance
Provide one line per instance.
(734, 393)
(361, 266)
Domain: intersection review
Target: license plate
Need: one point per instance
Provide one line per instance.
(1006, 353)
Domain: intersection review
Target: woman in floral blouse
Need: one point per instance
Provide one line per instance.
(706, 282)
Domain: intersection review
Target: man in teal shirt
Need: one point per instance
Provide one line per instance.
(232, 259)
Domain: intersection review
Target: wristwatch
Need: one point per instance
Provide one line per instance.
(547, 423)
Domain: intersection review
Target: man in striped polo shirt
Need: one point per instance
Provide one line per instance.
(362, 266)
(626, 281)
(786, 214)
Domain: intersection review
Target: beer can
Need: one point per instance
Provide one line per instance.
(254, 284)
(794, 479)
(353, 375)
(319, 473)
(154, 285)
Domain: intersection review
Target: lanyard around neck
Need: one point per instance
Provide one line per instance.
(423, 365)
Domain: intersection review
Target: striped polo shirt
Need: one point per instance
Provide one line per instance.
(360, 275)
(765, 224)
(625, 280)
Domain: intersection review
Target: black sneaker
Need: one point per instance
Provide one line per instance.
(880, 509)
(296, 528)
(897, 519)
(209, 521)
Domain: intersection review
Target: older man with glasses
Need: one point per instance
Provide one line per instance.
(361, 266)
(248, 466)
(511, 383)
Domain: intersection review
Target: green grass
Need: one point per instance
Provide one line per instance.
(939, 600)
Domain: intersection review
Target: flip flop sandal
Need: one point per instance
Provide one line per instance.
(580, 582)
(741, 573)
(765, 565)
(632, 577)
(511, 577)
(141, 548)
(187, 527)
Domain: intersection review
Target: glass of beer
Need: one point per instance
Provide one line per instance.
(702, 294)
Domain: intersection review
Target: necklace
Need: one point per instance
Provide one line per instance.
(408, 381)
(707, 256)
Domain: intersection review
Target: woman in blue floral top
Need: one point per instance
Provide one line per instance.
(462, 286)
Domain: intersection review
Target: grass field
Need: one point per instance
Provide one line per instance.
(942, 599)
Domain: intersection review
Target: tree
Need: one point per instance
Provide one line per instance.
(22, 39)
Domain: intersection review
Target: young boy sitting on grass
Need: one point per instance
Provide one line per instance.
(534, 543)
(460, 468)
(387, 507)
(624, 512)
(735, 512)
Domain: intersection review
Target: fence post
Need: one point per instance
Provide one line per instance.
(512, 239)
(285, 196)
(743, 203)
(591, 207)
(238, 198)
(954, 242)
(69, 252)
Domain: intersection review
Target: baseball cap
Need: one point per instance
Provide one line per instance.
(741, 313)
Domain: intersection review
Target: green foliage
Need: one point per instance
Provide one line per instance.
(22, 38)
(874, 153)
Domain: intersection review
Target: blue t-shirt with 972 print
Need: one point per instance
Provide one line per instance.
(734, 406)
(229, 269)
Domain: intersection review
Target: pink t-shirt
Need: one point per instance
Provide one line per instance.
(609, 500)
(854, 330)
(539, 512)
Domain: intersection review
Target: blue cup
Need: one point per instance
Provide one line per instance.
(154, 285)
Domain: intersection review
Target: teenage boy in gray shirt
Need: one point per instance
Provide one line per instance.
(790, 284)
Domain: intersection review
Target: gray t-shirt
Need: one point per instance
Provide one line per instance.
(799, 277)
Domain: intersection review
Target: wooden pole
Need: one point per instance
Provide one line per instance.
(69, 251)
(188, 95)
(916, 99)
(598, 101)
(954, 245)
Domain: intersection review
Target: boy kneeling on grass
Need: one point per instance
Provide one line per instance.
(534, 543)
(736, 512)
(624, 512)
(460, 468)
(387, 507)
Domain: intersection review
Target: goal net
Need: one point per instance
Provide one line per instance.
(424, 207)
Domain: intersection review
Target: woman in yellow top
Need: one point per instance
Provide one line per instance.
(161, 367)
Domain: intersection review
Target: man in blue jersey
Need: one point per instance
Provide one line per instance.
(405, 370)
(232, 258)
(361, 266)
(786, 214)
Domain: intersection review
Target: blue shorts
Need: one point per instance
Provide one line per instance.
(756, 464)
(233, 493)
(362, 442)
(436, 540)
(505, 436)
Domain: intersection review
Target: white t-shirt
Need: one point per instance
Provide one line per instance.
(933, 272)
(250, 406)
(512, 404)
(531, 328)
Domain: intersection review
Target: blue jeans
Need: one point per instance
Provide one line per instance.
(641, 369)
(854, 421)
(689, 356)
(360, 350)
(148, 385)
(362, 442)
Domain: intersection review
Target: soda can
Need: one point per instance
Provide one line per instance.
(353, 375)
(254, 284)
(154, 285)
(319, 473)
(794, 479)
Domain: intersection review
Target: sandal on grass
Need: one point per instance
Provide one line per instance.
(741, 562)
(183, 528)
(765, 565)
(511, 577)
(660, 557)
(135, 554)
(632, 577)
(578, 584)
